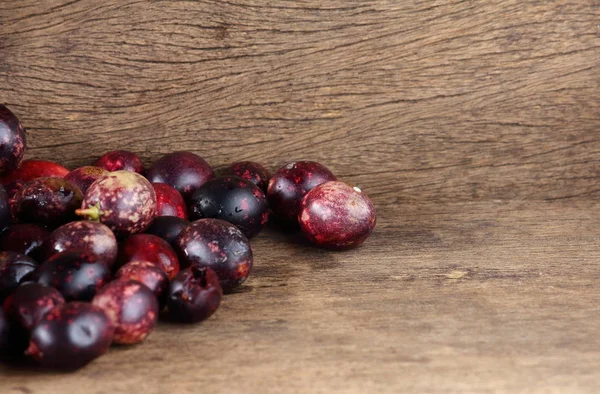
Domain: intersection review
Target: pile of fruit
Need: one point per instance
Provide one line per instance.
(93, 256)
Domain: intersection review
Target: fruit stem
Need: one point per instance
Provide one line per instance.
(92, 213)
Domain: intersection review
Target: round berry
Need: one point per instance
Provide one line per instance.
(194, 295)
(250, 171)
(30, 170)
(29, 303)
(167, 227)
(15, 268)
(149, 274)
(169, 201)
(146, 247)
(12, 141)
(120, 160)
(24, 238)
(83, 177)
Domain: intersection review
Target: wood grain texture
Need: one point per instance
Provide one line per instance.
(472, 124)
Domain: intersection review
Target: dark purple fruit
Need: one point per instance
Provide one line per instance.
(5, 210)
(71, 336)
(47, 201)
(146, 247)
(132, 308)
(290, 184)
(167, 227)
(149, 274)
(76, 274)
(250, 171)
(337, 216)
(184, 171)
(12, 141)
(30, 170)
(219, 245)
(92, 237)
(169, 201)
(235, 200)
(4, 333)
(24, 238)
(124, 201)
(120, 160)
(15, 268)
(28, 304)
(194, 295)
(83, 177)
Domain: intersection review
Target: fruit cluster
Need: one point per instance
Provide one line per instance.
(95, 255)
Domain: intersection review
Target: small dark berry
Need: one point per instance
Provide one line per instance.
(195, 294)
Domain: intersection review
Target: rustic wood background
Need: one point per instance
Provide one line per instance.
(474, 125)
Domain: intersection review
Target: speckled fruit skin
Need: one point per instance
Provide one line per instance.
(92, 237)
(120, 160)
(167, 227)
(184, 171)
(74, 273)
(47, 201)
(147, 247)
(132, 307)
(24, 238)
(83, 177)
(29, 170)
(219, 245)
(169, 201)
(233, 199)
(123, 200)
(15, 268)
(29, 303)
(12, 141)
(337, 216)
(71, 336)
(149, 274)
(250, 171)
(194, 295)
(289, 185)
(5, 210)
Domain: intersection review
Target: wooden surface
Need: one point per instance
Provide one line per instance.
(472, 124)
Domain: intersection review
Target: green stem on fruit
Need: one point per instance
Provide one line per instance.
(92, 213)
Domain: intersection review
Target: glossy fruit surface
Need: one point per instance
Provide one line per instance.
(250, 171)
(337, 216)
(29, 303)
(92, 237)
(75, 274)
(167, 227)
(83, 177)
(14, 269)
(184, 171)
(120, 160)
(12, 141)
(289, 185)
(5, 209)
(124, 201)
(147, 247)
(194, 295)
(169, 201)
(24, 238)
(219, 245)
(29, 170)
(149, 274)
(132, 308)
(70, 336)
(233, 199)
(47, 201)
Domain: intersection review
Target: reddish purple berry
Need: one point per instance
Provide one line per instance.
(83, 177)
(120, 160)
(250, 171)
(12, 141)
(24, 238)
(194, 295)
(15, 268)
(233, 199)
(47, 201)
(184, 171)
(124, 201)
(147, 247)
(169, 201)
(92, 237)
(167, 227)
(132, 307)
(70, 336)
(337, 216)
(5, 209)
(149, 274)
(29, 303)
(290, 184)
(30, 170)
(219, 245)
(75, 273)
